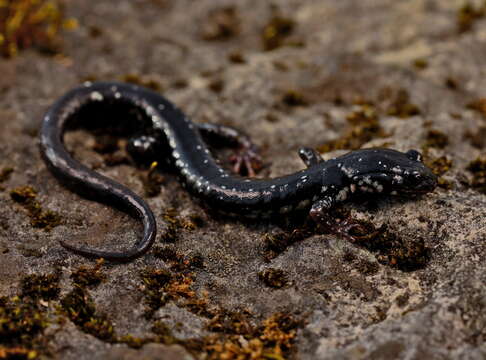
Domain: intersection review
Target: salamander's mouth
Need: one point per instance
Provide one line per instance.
(423, 186)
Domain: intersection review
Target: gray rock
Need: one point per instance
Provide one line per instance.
(352, 306)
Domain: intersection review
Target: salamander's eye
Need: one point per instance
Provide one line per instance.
(414, 155)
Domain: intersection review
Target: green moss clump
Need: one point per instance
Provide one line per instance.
(478, 169)
(293, 98)
(221, 24)
(274, 278)
(276, 32)
(277, 243)
(420, 63)
(363, 127)
(178, 262)
(26, 196)
(439, 167)
(468, 14)
(477, 138)
(20, 322)
(32, 23)
(435, 139)
(88, 276)
(44, 287)
(274, 339)
(391, 249)
(478, 105)
(175, 224)
(133, 341)
(5, 174)
(401, 106)
(81, 310)
(142, 81)
(155, 281)
(163, 332)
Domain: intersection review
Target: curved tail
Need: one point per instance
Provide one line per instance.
(85, 181)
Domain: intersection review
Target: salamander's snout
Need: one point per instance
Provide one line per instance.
(421, 179)
(425, 182)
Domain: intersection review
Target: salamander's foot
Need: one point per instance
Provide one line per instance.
(346, 227)
(246, 162)
(354, 230)
(310, 157)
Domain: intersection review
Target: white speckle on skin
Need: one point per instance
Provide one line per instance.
(117, 95)
(342, 195)
(161, 107)
(176, 155)
(352, 187)
(96, 96)
(360, 159)
(378, 186)
(347, 171)
(397, 179)
(87, 83)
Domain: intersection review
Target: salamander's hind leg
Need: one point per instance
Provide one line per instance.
(348, 228)
(246, 160)
(310, 157)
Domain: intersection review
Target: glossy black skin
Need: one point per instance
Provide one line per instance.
(165, 133)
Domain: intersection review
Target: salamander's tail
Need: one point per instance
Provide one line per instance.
(85, 181)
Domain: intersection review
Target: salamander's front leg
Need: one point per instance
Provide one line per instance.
(320, 212)
(310, 157)
(246, 160)
(348, 228)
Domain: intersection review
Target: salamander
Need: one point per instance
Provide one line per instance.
(162, 132)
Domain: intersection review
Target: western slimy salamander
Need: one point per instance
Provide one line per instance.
(162, 129)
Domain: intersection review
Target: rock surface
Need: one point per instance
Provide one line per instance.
(405, 62)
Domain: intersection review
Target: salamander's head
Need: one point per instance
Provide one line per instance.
(388, 171)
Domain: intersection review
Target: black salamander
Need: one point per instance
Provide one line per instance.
(165, 133)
